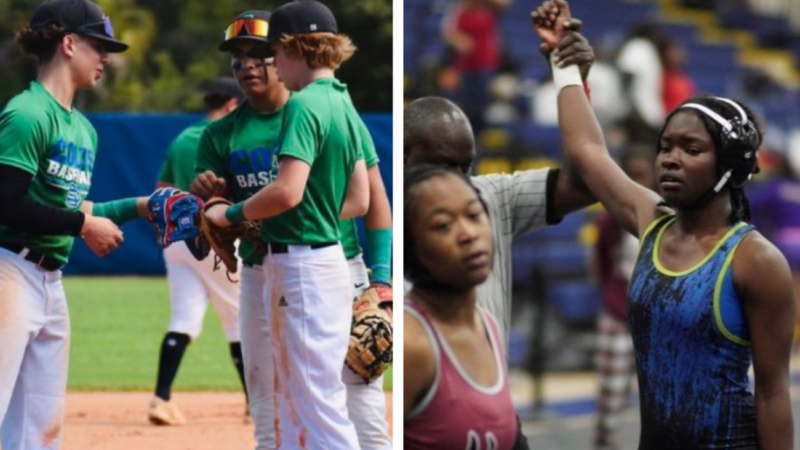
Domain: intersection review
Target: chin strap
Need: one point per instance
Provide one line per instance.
(709, 194)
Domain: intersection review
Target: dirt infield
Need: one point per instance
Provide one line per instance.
(118, 421)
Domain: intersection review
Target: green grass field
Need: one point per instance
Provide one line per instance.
(117, 327)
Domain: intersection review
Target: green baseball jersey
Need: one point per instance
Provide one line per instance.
(242, 148)
(347, 227)
(321, 128)
(56, 146)
(178, 167)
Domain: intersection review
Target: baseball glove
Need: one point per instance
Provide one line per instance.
(223, 240)
(175, 215)
(370, 350)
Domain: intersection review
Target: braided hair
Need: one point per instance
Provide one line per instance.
(41, 42)
(413, 269)
(737, 137)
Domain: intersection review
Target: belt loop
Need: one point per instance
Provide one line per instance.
(24, 252)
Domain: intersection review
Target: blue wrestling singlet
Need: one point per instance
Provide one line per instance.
(692, 349)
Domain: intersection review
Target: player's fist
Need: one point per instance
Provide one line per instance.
(574, 48)
(550, 21)
(101, 235)
(207, 185)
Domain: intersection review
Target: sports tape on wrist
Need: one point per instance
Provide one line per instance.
(565, 76)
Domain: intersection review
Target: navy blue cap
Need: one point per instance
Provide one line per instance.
(297, 17)
(224, 87)
(81, 17)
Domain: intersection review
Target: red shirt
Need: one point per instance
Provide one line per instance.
(481, 26)
(457, 413)
(678, 87)
(610, 253)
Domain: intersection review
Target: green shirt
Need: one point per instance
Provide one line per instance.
(242, 148)
(321, 128)
(178, 168)
(56, 146)
(347, 227)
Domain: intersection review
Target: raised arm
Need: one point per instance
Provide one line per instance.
(631, 205)
(770, 310)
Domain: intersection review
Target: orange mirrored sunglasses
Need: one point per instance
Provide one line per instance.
(254, 27)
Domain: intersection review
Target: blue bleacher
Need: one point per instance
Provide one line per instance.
(554, 249)
(575, 300)
(547, 140)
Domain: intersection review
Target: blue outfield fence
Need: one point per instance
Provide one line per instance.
(131, 151)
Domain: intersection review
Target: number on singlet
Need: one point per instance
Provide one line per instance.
(474, 441)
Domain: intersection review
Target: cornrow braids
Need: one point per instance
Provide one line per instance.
(740, 205)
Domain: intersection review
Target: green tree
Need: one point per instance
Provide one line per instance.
(173, 52)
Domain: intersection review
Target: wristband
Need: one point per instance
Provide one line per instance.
(235, 214)
(379, 244)
(117, 211)
(565, 76)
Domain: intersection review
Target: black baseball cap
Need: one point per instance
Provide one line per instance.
(297, 17)
(223, 87)
(240, 31)
(81, 17)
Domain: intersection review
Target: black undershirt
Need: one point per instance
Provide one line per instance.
(20, 212)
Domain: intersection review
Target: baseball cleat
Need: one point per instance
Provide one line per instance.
(165, 413)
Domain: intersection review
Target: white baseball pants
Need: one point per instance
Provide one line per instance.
(366, 404)
(309, 295)
(34, 354)
(191, 284)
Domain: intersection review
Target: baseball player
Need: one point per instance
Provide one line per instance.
(193, 282)
(47, 154)
(321, 178)
(237, 151)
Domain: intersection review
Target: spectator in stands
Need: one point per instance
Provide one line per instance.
(677, 85)
(642, 73)
(470, 28)
(615, 256)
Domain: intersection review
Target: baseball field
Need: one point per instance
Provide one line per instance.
(117, 327)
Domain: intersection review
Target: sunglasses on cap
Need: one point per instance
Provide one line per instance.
(254, 27)
(102, 28)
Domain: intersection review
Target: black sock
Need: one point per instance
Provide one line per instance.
(172, 348)
(236, 356)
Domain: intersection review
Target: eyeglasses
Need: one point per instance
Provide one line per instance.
(254, 27)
